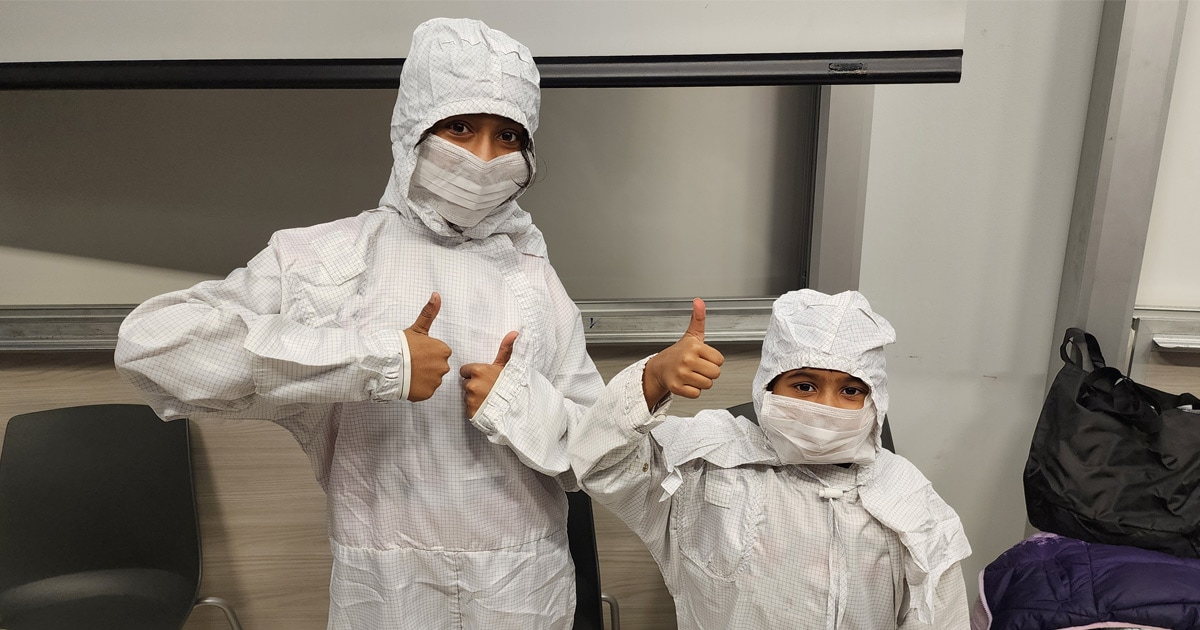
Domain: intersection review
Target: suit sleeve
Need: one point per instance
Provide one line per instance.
(223, 348)
(618, 462)
(951, 610)
(532, 412)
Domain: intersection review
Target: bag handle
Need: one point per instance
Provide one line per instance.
(1085, 345)
(1108, 391)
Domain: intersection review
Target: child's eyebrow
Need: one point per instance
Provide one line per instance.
(859, 383)
(809, 372)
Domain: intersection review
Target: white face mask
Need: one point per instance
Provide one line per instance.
(466, 188)
(804, 432)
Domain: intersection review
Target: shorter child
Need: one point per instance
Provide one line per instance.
(799, 521)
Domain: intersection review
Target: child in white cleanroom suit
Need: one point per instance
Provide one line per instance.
(341, 333)
(800, 521)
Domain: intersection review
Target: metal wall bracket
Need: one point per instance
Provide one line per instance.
(67, 328)
(1177, 343)
(664, 321)
(76, 328)
(1162, 330)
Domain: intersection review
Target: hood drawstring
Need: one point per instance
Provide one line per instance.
(835, 609)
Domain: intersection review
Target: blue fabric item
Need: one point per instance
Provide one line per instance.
(1050, 581)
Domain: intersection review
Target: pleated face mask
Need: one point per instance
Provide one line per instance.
(466, 188)
(804, 432)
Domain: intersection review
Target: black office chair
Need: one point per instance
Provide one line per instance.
(98, 526)
(747, 410)
(589, 599)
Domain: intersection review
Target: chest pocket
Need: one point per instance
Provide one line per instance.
(326, 291)
(716, 518)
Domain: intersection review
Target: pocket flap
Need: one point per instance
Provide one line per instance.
(340, 258)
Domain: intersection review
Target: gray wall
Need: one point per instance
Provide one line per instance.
(675, 193)
(968, 201)
(113, 197)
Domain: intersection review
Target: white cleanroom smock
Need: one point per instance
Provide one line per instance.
(744, 541)
(434, 523)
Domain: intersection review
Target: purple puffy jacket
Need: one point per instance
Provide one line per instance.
(1050, 582)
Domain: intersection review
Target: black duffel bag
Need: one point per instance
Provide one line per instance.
(1113, 461)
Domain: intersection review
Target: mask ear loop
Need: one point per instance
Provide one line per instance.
(530, 171)
(530, 162)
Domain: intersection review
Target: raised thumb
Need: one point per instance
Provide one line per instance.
(696, 326)
(506, 349)
(427, 315)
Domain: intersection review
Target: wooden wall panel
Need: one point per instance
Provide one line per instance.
(263, 515)
(1174, 372)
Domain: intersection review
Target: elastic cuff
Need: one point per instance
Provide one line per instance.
(639, 417)
(406, 370)
(386, 354)
(507, 387)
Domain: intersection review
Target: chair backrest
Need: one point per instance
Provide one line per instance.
(747, 410)
(581, 532)
(93, 488)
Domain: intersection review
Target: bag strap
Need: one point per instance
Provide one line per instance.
(1083, 342)
(1108, 391)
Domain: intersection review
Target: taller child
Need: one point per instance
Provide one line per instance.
(342, 332)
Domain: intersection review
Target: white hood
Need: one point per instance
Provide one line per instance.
(831, 332)
(460, 66)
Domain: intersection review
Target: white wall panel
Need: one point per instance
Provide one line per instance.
(32, 30)
(1170, 274)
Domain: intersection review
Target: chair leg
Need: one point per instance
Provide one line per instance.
(614, 612)
(217, 602)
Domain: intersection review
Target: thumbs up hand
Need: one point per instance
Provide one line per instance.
(428, 356)
(685, 368)
(479, 378)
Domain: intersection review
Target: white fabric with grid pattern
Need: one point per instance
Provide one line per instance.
(744, 541)
(434, 523)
